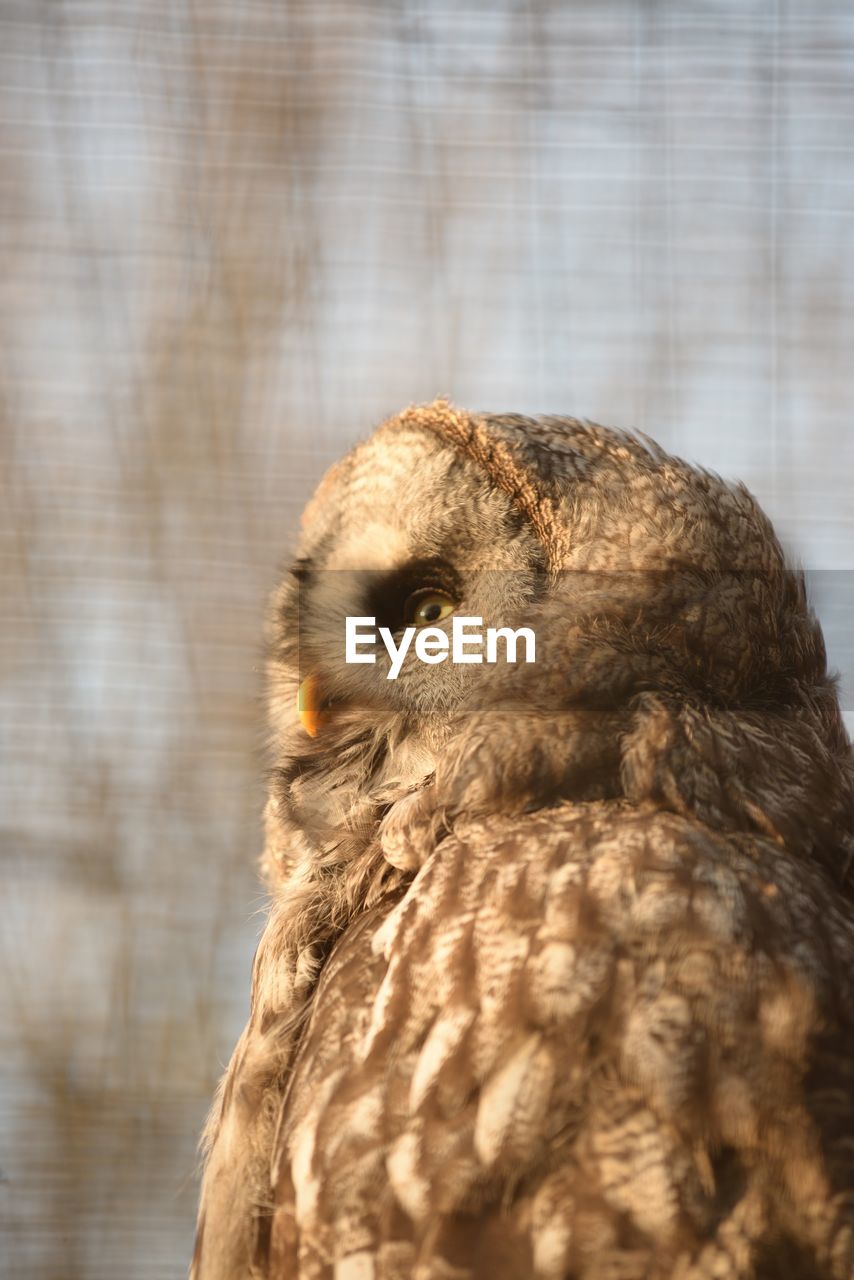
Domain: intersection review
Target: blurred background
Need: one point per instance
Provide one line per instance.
(233, 236)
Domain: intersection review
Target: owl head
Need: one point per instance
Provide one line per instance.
(676, 661)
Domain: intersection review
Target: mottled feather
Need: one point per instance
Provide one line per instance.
(558, 975)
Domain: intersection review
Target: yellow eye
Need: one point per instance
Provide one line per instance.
(426, 607)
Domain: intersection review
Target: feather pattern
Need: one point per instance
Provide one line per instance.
(558, 975)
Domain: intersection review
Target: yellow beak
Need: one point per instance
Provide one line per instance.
(310, 706)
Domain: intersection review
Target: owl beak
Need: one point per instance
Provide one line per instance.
(310, 708)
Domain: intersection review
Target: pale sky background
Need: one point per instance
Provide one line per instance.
(233, 236)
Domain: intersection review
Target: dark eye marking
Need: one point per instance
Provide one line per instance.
(301, 570)
(387, 595)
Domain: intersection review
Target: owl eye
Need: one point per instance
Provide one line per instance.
(427, 606)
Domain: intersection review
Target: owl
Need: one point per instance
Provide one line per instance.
(557, 980)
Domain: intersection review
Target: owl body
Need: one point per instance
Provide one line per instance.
(558, 977)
